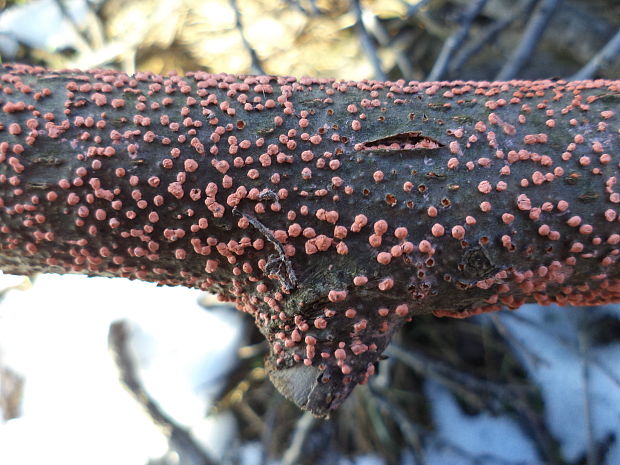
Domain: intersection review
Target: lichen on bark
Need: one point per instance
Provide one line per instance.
(330, 211)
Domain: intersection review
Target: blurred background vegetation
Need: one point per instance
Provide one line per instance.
(328, 38)
(482, 361)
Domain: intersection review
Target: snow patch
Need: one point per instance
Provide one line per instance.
(74, 409)
(555, 337)
(494, 440)
(41, 24)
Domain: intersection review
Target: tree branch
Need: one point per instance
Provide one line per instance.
(367, 43)
(384, 200)
(488, 35)
(256, 65)
(606, 56)
(455, 40)
(11, 393)
(180, 440)
(533, 32)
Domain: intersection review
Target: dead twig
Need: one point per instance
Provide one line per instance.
(455, 40)
(179, 439)
(94, 26)
(566, 343)
(256, 66)
(313, 11)
(533, 32)
(513, 340)
(253, 350)
(74, 25)
(488, 35)
(367, 43)
(465, 385)
(608, 54)
(268, 431)
(583, 341)
(11, 393)
(303, 427)
(473, 389)
(413, 434)
(381, 34)
(412, 10)
(416, 435)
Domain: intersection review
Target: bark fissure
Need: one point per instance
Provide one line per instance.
(404, 141)
(274, 263)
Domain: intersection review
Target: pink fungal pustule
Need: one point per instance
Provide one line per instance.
(345, 218)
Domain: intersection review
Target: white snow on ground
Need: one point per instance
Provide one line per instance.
(74, 409)
(192, 354)
(561, 380)
(480, 435)
(40, 24)
(251, 453)
(76, 412)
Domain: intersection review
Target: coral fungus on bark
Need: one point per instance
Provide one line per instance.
(330, 211)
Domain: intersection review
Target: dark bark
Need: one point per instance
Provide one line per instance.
(332, 212)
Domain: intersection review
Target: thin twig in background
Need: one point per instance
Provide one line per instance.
(413, 433)
(488, 35)
(367, 43)
(94, 25)
(379, 32)
(429, 369)
(255, 67)
(455, 40)
(566, 343)
(253, 350)
(525, 403)
(267, 433)
(304, 425)
(534, 30)
(426, 22)
(607, 55)
(108, 53)
(412, 10)
(384, 377)
(469, 387)
(606, 370)
(514, 341)
(583, 341)
(74, 25)
(519, 398)
(129, 61)
(24, 284)
(11, 393)
(179, 439)
(314, 9)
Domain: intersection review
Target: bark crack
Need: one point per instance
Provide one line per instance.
(402, 141)
(277, 265)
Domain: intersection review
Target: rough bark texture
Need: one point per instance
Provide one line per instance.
(330, 211)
